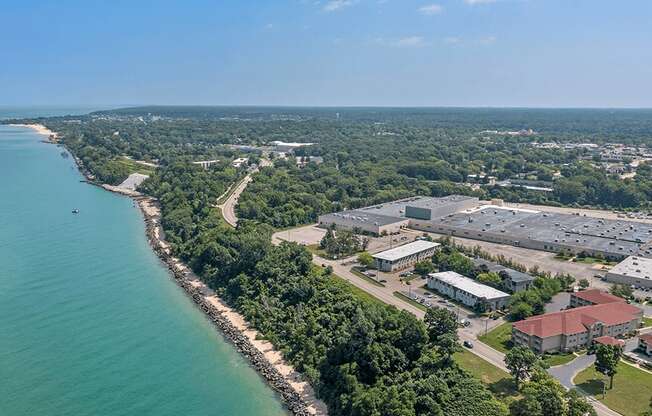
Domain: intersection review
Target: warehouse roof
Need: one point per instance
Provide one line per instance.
(406, 250)
(468, 285)
(360, 217)
(634, 266)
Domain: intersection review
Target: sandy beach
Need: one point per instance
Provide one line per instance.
(40, 129)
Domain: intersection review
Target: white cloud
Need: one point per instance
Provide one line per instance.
(431, 9)
(408, 42)
(474, 2)
(452, 40)
(334, 5)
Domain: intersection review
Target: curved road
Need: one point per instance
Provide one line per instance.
(228, 207)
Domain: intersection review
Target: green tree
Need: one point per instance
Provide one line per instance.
(607, 358)
(520, 362)
(365, 259)
(424, 267)
(584, 283)
(491, 279)
(440, 322)
(622, 291)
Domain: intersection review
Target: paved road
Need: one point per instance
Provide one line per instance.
(228, 207)
(566, 373)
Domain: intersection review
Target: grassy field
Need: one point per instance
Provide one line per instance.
(498, 381)
(499, 338)
(631, 391)
(647, 321)
(410, 301)
(315, 249)
(593, 260)
(135, 167)
(367, 278)
(559, 359)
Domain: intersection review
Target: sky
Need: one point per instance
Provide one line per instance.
(502, 53)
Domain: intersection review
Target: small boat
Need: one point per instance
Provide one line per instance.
(75, 211)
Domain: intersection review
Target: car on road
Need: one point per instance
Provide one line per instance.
(383, 281)
(468, 344)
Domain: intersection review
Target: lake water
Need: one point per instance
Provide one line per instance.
(90, 321)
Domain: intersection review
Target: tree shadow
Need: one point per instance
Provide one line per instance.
(593, 387)
(504, 388)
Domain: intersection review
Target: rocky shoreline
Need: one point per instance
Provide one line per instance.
(291, 399)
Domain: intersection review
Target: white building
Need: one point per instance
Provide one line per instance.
(287, 147)
(205, 163)
(633, 271)
(239, 162)
(404, 256)
(467, 291)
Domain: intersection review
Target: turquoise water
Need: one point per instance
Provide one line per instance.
(90, 321)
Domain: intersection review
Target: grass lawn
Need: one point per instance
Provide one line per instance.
(631, 392)
(559, 359)
(315, 249)
(135, 167)
(646, 321)
(593, 260)
(410, 301)
(498, 381)
(359, 293)
(499, 338)
(367, 278)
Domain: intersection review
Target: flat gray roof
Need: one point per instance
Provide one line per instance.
(634, 266)
(405, 250)
(468, 285)
(397, 208)
(611, 236)
(360, 217)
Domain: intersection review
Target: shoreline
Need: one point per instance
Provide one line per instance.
(296, 394)
(40, 129)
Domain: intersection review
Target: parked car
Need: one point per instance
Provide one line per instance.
(468, 344)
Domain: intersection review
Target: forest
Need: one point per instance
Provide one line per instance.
(362, 357)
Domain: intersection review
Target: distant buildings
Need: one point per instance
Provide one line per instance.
(287, 147)
(405, 256)
(239, 162)
(205, 163)
(467, 291)
(305, 160)
(633, 271)
(466, 217)
(578, 327)
(513, 280)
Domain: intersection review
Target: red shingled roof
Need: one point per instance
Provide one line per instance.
(597, 296)
(575, 321)
(607, 340)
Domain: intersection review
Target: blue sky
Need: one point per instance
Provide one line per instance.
(539, 53)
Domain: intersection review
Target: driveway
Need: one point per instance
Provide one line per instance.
(567, 372)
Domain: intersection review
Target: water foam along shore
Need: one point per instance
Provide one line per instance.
(297, 394)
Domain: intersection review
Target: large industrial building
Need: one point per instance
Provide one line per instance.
(633, 271)
(405, 256)
(466, 217)
(467, 291)
(391, 217)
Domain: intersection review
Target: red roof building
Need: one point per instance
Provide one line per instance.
(607, 340)
(576, 328)
(593, 297)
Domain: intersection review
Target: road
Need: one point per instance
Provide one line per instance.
(228, 207)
